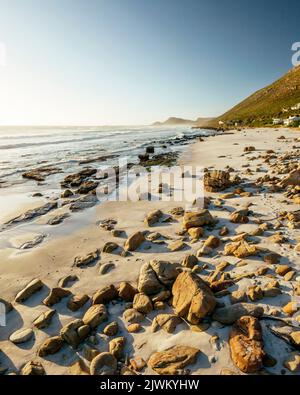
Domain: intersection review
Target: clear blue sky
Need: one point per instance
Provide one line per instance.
(138, 61)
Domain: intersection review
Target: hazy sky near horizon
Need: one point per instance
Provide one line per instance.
(138, 61)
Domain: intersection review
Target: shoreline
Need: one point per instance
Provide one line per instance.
(53, 259)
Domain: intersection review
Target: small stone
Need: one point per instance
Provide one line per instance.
(21, 335)
(134, 241)
(142, 303)
(137, 364)
(44, 320)
(290, 308)
(77, 301)
(116, 347)
(87, 259)
(292, 362)
(133, 316)
(105, 295)
(50, 346)
(109, 247)
(238, 297)
(255, 293)
(282, 270)
(189, 261)
(133, 328)
(89, 353)
(34, 286)
(212, 242)
(55, 296)
(111, 329)
(127, 291)
(176, 245)
(33, 368)
(196, 233)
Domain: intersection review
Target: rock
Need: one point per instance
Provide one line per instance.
(44, 319)
(192, 298)
(202, 327)
(161, 296)
(204, 250)
(137, 363)
(21, 335)
(289, 275)
(165, 271)
(31, 214)
(103, 364)
(282, 270)
(255, 293)
(142, 303)
(32, 243)
(216, 180)
(106, 268)
(64, 282)
(223, 231)
(77, 301)
(127, 291)
(249, 149)
(116, 347)
(87, 259)
(110, 247)
(228, 372)
(176, 245)
(295, 336)
(86, 187)
(34, 286)
(246, 347)
(212, 242)
(153, 217)
(148, 282)
(117, 232)
(50, 346)
(167, 322)
(133, 316)
(240, 249)
(230, 314)
(238, 297)
(66, 194)
(177, 211)
(89, 353)
(105, 295)
(290, 308)
(292, 179)
(171, 361)
(196, 233)
(111, 329)
(83, 203)
(272, 258)
(189, 261)
(71, 334)
(33, 368)
(133, 328)
(292, 362)
(78, 368)
(58, 219)
(95, 315)
(134, 241)
(55, 296)
(239, 216)
(297, 247)
(196, 219)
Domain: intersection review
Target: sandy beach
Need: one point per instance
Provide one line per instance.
(79, 234)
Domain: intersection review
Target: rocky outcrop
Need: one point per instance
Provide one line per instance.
(192, 298)
(246, 346)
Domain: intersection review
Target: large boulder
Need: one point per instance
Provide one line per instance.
(192, 298)
(142, 303)
(165, 271)
(192, 219)
(230, 314)
(292, 179)
(127, 291)
(173, 360)
(246, 346)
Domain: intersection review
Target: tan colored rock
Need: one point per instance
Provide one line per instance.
(142, 303)
(173, 360)
(110, 247)
(116, 347)
(89, 353)
(189, 261)
(153, 217)
(239, 216)
(167, 322)
(176, 245)
(240, 249)
(33, 368)
(216, 180)
(127, 291)
(292, 179)
(111, 329)
(78, 368)
(71, 333)
(50, 346)
(292, 362)
(105, 295)
(133, 328)
(134, 241)
(95, 315)
(55, 296)
(255, 293)
(196, 219)
(137, 364)
(44, 319)
(133, 316)
(103, 364)
(282, 270)
(77, 301)
(238, 297)
(148, 282)
(21, 335)
(212, 242)
(246, 346)
(87, 259)
(34, 286)
(165, 271)
(272, 258)
(192, 298)
(296, 337)
(196, 233)
(290, 308)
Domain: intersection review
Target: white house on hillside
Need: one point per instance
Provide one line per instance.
(277, 121)
(291, 119)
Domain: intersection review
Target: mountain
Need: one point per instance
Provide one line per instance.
(273, 101)
(172, 121)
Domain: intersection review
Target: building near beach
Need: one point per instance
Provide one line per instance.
(291, 119)
(277, 121)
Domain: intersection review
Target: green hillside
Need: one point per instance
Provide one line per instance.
(267, 103)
